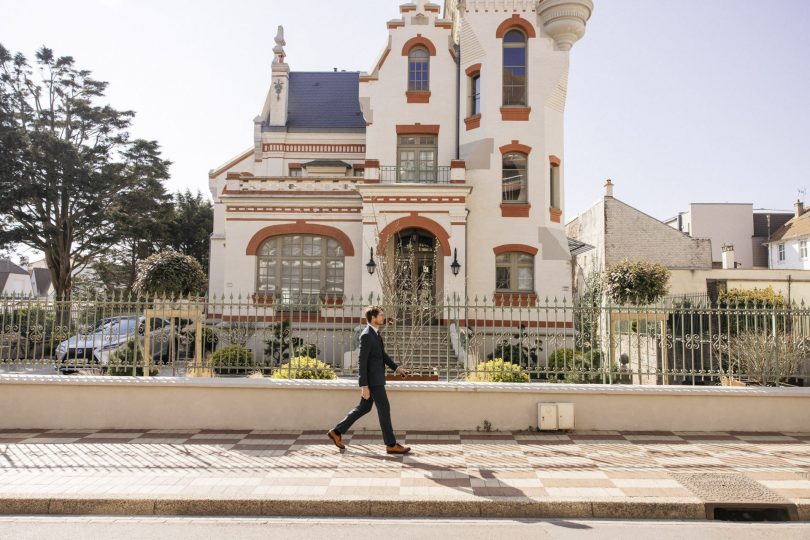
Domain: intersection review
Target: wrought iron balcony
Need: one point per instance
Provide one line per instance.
(408, 175)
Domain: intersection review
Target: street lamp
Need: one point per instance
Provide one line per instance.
(456, 266)
(371, 265)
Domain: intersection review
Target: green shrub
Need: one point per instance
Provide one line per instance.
(304, 367)
(637, 283)
(751, 298)
(231, 359)
(499, 370)
(171, 274)
(125, 357)
(576, 366)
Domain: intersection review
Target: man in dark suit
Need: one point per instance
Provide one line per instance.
(373, 360)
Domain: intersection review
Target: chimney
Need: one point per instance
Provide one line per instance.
(609, 188)
(799, 206)
(728, 257)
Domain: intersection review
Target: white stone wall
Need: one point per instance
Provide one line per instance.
(480, 147)
(18, 284)
(384, 98)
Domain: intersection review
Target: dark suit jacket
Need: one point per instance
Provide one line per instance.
(373, 359)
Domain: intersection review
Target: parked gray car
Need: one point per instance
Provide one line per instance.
(93, 349)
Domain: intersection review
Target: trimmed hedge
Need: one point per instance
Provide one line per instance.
(231, 360)
(499, 370)
(304, 367)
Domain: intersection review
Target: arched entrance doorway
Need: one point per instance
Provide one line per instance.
(416, 256)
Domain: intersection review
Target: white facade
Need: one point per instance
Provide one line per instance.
(413, 158)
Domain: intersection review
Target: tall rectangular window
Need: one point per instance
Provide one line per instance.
(416, 157)
(803, 249)
(514, 68)
(419, 69)
(554, 187)
(781, 252)
(514, 177)
(475, 97)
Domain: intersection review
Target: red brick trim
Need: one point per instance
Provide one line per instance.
(372, 164)
(300, 227)
(515, 146)
(418, 129)
(416, 96)
(554, 160)
(555, 214)
(406, 8)
(515, 299)
(458, 164)
(519, 210)
(359, 167)
(443, 24)
(473, 122)
(474, 69)
(520, 248)
(432, 8)
(392, 25)
(515, 114)
(416, 41)
(515, 22)
(295, 166)
(417, 222)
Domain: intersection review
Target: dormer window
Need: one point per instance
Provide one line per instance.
(419, 70)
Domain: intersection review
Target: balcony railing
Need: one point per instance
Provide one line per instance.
(407, 175)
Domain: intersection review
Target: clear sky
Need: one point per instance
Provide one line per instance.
(676, 101)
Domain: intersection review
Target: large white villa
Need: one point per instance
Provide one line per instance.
(452, 143)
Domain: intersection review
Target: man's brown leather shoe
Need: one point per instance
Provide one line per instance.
(397, 449)
(337, 439)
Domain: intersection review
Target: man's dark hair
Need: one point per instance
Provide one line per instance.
(372, 311)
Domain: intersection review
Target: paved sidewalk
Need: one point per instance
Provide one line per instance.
(653, 475)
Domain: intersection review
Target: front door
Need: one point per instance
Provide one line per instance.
(416, 274)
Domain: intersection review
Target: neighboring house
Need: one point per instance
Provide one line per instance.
(620, 232)
(788, 245)
(14, 280)
(406, 157)
(41, 284)
(732, 224)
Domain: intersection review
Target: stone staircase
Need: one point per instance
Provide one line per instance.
(424, 350)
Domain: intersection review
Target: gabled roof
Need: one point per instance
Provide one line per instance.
(795, 228)
(42, 277)
(325, 100)
(8, 267)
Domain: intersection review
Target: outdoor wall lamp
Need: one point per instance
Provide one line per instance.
(456, 266)
(371, 265)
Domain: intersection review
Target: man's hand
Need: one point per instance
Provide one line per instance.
(401, 372)
(365, 392)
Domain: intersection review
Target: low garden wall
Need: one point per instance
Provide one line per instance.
(64, 402)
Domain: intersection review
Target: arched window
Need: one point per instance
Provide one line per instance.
(514, 272)
(419, 69)
(300, 268)
(514, 68)
(514, 178)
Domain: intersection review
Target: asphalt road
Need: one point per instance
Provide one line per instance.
(114, 528)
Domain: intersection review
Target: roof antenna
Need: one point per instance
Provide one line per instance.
(335, 69)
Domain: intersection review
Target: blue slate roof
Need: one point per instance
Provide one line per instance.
(325, 100)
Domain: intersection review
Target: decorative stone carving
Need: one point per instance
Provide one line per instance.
(564, 20)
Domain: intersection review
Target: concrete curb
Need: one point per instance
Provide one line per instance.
(349, 507)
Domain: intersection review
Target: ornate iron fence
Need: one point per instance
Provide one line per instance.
(675, 342)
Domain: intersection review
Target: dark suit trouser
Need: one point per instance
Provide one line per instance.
(380, 398)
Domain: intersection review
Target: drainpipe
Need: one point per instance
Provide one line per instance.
(457, 48)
